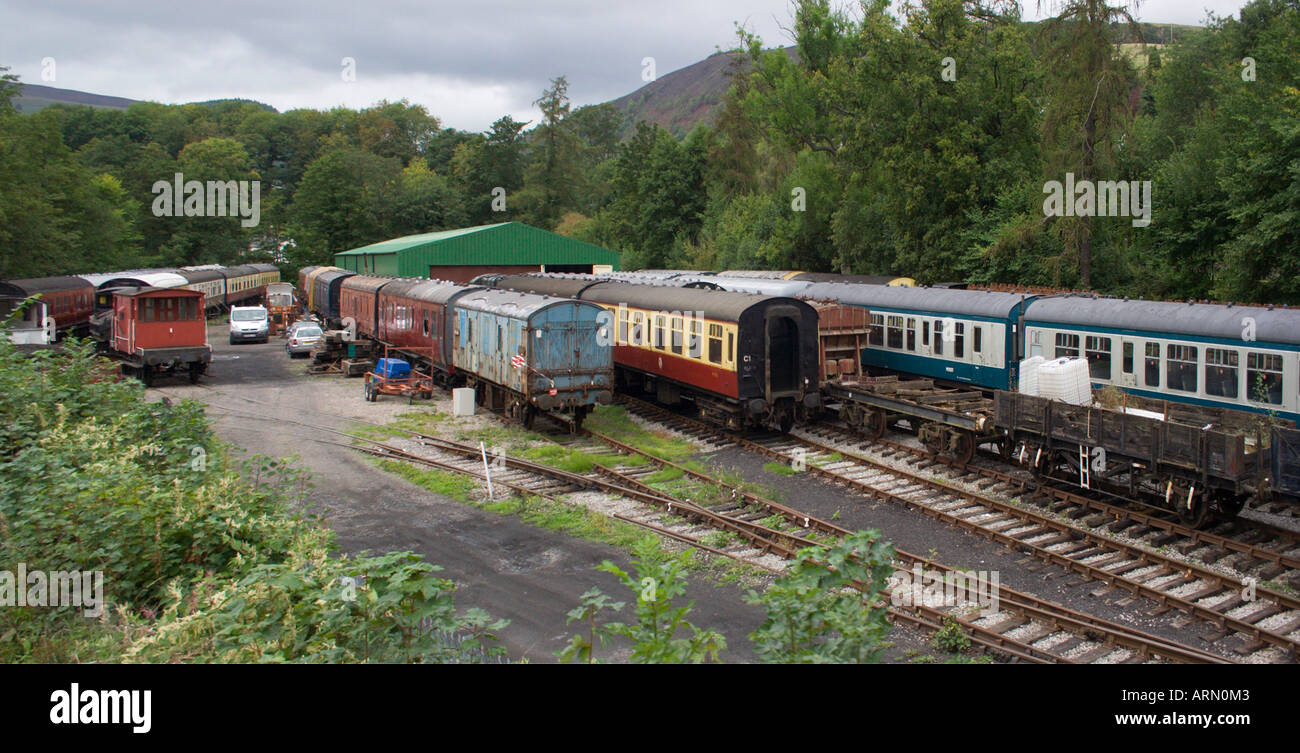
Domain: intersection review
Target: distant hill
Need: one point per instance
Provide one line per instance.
(34, 97)
(680, 100)
(688, 96)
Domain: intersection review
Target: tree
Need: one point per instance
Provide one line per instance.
(1087, 87)
(554, 177)
(342, 202)
(9, 88)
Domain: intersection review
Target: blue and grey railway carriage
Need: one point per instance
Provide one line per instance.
(1211, 355)
(963, 336)
(524, 353)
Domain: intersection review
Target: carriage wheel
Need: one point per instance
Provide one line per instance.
(873, 423)
(195, 372)
(1197, 514)
(964, 448)
(786, 422)
(1230, 505)
(146, 375)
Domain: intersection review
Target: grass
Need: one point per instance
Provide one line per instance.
(780, 469)
(449, 484)
(422, 422)
(663, 475)
(564, 458)
(571, 519)
(613, 421)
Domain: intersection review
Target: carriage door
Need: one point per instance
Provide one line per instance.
(782, 355)
(1128, 360)
(980, 347)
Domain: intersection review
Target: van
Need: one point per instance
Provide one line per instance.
(249, 323)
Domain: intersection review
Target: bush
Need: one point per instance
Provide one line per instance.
(202, 560)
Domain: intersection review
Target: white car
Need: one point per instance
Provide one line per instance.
(249, 323)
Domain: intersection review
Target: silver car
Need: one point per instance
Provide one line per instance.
(302, 339)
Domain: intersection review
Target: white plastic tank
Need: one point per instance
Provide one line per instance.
(1029, 375)
(1066, 380)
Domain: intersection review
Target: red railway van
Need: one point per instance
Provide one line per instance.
(160, 331)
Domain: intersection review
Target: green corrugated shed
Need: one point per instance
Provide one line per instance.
(504, 244)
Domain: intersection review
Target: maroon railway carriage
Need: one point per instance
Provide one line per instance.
(64, 306)
(359, 301)
(413, 317)
(159, 331)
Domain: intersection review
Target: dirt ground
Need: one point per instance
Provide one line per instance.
(531, 576)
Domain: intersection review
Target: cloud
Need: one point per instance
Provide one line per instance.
(468, 63)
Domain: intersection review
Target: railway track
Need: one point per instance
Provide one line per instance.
(1269, 619)
(1242, 544)
(1024, 628)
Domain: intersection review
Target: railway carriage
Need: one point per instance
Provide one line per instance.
(741, 359)
(245, 284)
(210, 281)
(136, 278)
(527, 353)
(1211, 355)
(158, 331)
(63, 306)
(961, 336)
(412, 315)
(326, 286)
(307, 284)
(359, 302)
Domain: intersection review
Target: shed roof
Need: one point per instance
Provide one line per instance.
(503, 243)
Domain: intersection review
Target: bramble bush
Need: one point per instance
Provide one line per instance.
(203, 559)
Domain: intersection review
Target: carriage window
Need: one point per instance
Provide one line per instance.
(715, 343)
(659, 332)
(426, 331)
(1128, 358)
(1098, 352)
(1264, 377)
(622, 326)
(1067, 346)
(925, 333)
(148, 310)
(677, 335)
(1221, 372)
(1180, 369)
(877, 336)
(426, 326)
(638, 328)
(978, 345)
(694, 343)
(731, 348)
(1153, 364)
(894, 332)
(938, 337)
(911, 334)
(959, 340)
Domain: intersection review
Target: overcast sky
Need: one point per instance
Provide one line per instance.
(468, 62)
